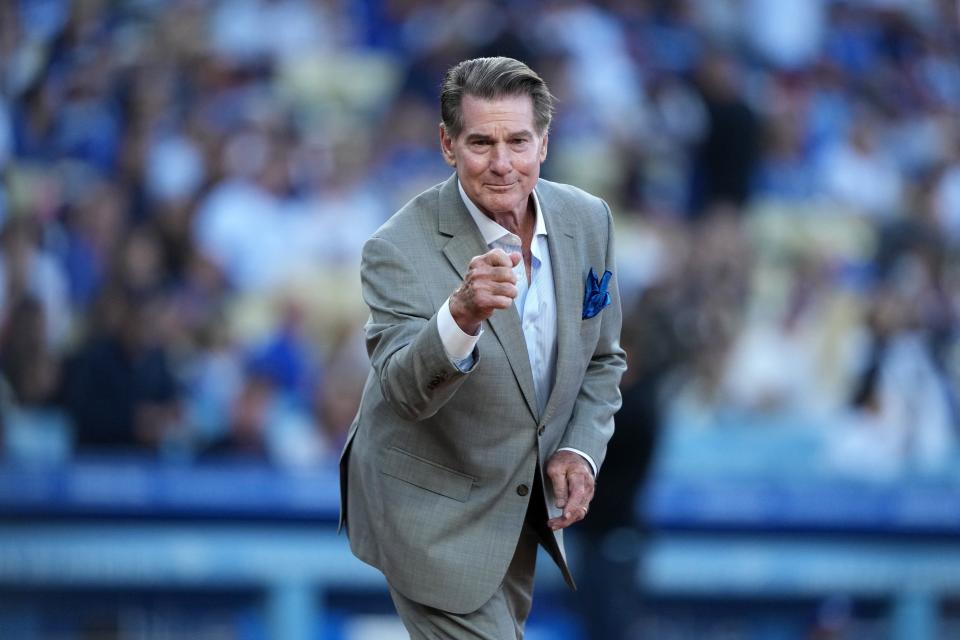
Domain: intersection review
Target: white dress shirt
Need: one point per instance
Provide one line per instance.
(536, 304)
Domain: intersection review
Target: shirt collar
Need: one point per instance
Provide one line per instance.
(493, 231)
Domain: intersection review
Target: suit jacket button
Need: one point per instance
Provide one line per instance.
(523, 490)
(540, 430)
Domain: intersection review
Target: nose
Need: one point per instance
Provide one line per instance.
(500, 160)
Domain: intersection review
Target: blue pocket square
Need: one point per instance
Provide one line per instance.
(596, 297)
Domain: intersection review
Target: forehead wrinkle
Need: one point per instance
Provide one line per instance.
(481, 116)
(505, 126)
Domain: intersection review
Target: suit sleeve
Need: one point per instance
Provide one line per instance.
(416, 375)
(591, 424)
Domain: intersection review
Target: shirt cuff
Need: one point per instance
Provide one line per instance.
(458, 344)
(593, 465)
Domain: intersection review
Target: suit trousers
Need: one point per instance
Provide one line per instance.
(504, 615)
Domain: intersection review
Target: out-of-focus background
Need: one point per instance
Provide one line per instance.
(186, 187)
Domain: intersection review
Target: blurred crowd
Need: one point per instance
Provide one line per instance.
(187, 185)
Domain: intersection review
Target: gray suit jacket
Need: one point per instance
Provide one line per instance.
(432, 470)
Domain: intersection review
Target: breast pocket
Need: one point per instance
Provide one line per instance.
(425, 474)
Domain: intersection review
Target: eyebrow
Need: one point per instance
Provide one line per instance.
(480, 137)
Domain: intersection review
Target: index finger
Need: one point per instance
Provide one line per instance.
(497, 258)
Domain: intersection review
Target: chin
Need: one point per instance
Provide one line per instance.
(502, 205)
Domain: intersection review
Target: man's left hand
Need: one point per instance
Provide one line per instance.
(573, 486)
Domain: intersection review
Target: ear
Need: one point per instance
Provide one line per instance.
(543, 147)
(446, 146)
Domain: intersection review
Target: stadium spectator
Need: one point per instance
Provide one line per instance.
(726, 158)
(120, 390)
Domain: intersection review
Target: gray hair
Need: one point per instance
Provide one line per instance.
(488, 79)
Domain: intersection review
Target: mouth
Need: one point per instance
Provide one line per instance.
(500, 187)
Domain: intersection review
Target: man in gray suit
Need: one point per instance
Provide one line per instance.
(494, 343)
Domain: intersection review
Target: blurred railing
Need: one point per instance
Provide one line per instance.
(746, 531)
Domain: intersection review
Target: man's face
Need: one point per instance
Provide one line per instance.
(498, 154)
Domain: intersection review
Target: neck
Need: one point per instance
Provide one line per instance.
(521, 222)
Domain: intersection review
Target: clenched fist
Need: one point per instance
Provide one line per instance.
(490, 284)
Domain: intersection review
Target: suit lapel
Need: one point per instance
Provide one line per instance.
(466, 242)
(567, 273)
